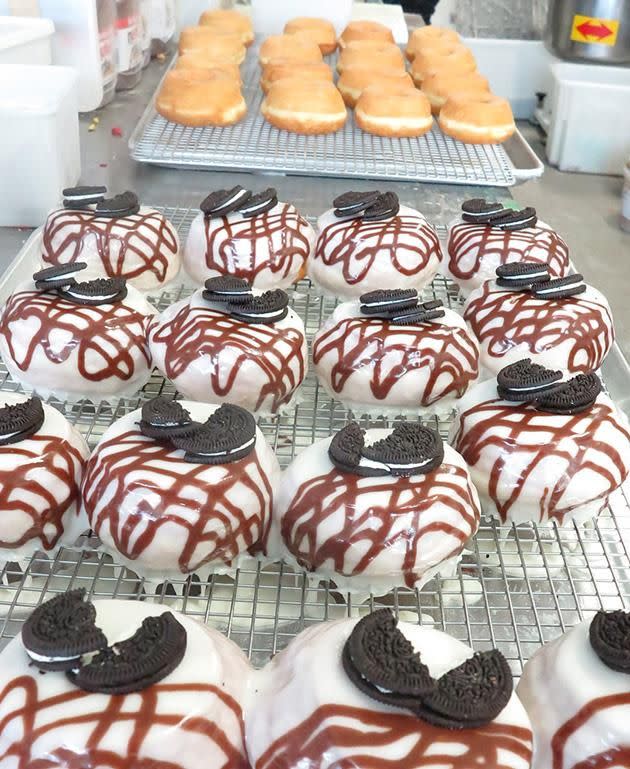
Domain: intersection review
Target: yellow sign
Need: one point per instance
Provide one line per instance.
(600, 31)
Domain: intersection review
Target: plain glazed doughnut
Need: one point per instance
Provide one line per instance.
(481, 118)
(371, 53)
(281, 68)
(226, 21)
(389, 110)
(199, 97)
(312, 108)
(354, 80)
(294, 47)
(214, 45)
(453, 59)
(430, 37)
(438, 86)
(365, 30)
(321, 31)
(199, 60)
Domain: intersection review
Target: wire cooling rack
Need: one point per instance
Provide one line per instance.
(515, 588)
(253, 144)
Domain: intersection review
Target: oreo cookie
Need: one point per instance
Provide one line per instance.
(609, 634)
(353, 204)
(124, 204)
(83, 196)
(383, 664)
(386, 302)
(59, 632)
(268, 308)
(470, 695)
(151, 654)
(560, 288)
(519, 275)
(527, 381)
(415, 316)
(228, 289)
(96, 292)
(223, 202)
(572, 397)
(345, 449)
(515, 220)
(259, 204)
(60, 276)
(162, 418)
(386, 206)
(228, 435)
(410, 449)
(19, 421)
(480, 211)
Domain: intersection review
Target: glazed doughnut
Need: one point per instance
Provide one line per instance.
(430, 37)
(199, 60)
(365, 30)
(200, 97)
(294, 47)
(354, 80)
(371, 53)
(215, 46)
(316, 108)
(453, 59)
(281, 68)
(321, 31)
(386, 109)
(225, 21)
(481, 118)
(438, 86)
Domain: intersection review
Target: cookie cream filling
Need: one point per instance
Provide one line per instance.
(98, 298)
(227, 453)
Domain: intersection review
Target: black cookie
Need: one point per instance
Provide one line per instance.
(573, 397)
(162, 418)
(345, 449)
(432, 304)
(59, 632)
(352, 204)
(560, 288)
(21, 420)
(519, 275)
(96, 292)
(268, 308)
(515, 220)
(526, 381)
(415, 316)
(151, 654)
(379, 302)
(223, 202)
(380, 661)
(409, 449)
(386, 206)
(471, 695)
(228, 289)
(83, 196)
(57, 277)
(609, 635)
(259, 204)
(479, 210)
(228, 435)
(125, 204)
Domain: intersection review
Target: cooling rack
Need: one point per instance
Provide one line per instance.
(515, 588)
(254, 145)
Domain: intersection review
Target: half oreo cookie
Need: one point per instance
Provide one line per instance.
(223, 202)
(353, 204)
(96, 292)
(415, 316)
(60, 276)
(410, 449)
(124, 204)
(386, 206)
(515, 220)
(609, 634)
(345, 450)
(386, 302)
(19, 421)
(268, 308)
(480, 211)
(259, 204)
(228, 435)
(83, 196)
(228, 289)
(527, 381)
(560, 288)
(162, 418)
(519, 275)
(572, 397)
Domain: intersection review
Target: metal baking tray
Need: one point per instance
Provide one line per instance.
(254, 145)
(515, 588)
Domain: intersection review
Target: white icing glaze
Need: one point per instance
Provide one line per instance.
(363, 362)
(573, 334)
(474, 251)
(353, 257)
(56, 347)
(192, 719)
(40, 478)
(530, 465)
(307, 713)
(562, 679)
(162, 516)
(372, 533)
(269, 250)
(143, 248)
(212, 357)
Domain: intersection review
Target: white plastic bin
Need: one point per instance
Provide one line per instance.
(39, 136)
(25, 40)
(270, 16)
(588, 113)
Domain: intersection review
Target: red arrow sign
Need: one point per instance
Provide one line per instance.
(600, 31)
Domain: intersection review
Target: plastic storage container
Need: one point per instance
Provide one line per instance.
(106, 12)
(270, 16)
(39, 135)
(129, 44)
(24, 40)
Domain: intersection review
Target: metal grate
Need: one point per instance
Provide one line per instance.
(515, 587)
(254, 145)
